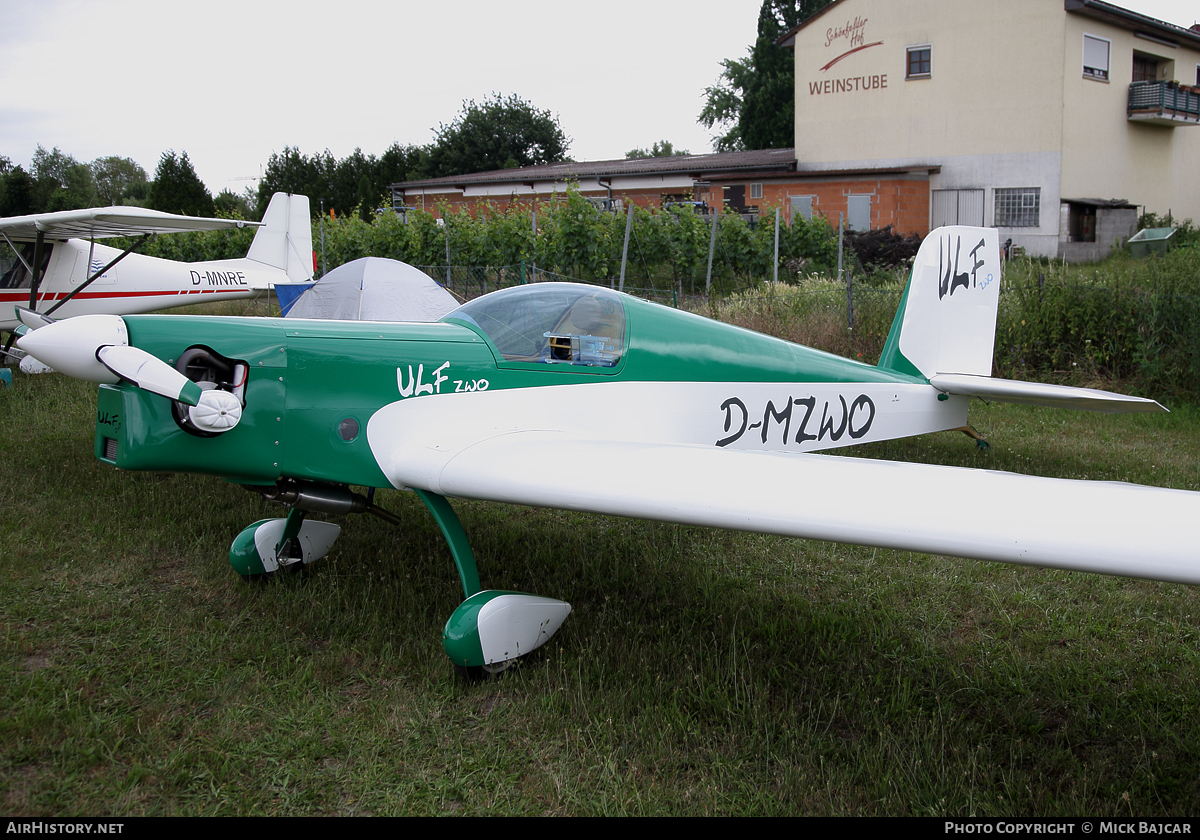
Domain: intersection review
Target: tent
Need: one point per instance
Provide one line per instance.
(370, 289)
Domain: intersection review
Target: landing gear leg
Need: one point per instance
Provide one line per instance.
(456, 539)
(288, 547)
(492, 628)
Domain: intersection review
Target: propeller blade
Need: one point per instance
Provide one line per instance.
(149, 373)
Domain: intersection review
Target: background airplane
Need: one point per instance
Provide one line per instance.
(60, 271)
(580, 398)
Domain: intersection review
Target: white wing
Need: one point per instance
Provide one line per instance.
(104, 222)
(443, 445)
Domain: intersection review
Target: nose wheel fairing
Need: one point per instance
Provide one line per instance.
(270, 544)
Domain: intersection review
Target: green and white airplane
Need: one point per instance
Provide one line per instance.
(577, 397)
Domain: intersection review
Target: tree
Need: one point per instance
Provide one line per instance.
(18, 193)
(661, 148)
(339, 182)
(346, 181)
(229, 205)
(136, 194)
(753, 102)
(177, 188)
(78, 190)
(366, 210)
(290, 171)
(61, 182)
(114, 176)
(494, 133)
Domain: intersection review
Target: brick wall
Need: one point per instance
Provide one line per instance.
(455, 202)
(897, 201)
(900, 201)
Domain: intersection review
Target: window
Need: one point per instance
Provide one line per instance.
(550, 324)
(919, 64)
(756, 190)
(1145, 68)
(1018, 207)
(1095, 58)
(15, 275)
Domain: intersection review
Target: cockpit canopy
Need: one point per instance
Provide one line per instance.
(550, 323)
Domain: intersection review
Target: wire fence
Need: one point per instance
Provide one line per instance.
(1072, 331)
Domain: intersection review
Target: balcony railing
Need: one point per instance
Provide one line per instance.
(1164, 103)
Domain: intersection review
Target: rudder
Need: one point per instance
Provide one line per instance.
(946, 322)
(285, 239)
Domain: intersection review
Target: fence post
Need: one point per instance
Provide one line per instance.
(625, 248)
(776, 277)
(712, 244)
(849, 292)
(446, 225)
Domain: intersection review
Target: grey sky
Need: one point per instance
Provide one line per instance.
(230, 81)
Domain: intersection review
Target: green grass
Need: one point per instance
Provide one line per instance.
(702, 672)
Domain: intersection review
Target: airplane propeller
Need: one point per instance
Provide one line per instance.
(96, 348)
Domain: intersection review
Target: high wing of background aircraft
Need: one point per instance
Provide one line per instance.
(577, 397)
(60, 270)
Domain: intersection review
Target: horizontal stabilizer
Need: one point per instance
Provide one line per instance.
(1037, 393)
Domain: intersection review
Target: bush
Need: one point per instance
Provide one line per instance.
(1131, 320)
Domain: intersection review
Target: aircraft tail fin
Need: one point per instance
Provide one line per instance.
(285, 239)
(946, 323)
(945, 328)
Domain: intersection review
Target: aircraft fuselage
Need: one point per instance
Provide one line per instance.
(138, 283)
(314, 390)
